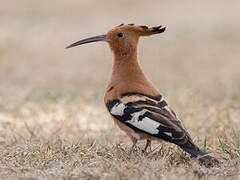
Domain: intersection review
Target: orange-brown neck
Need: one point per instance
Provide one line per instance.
(126, 68)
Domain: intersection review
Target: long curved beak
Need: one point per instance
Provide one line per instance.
(89, 40)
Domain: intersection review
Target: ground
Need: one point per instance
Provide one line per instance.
(53, 123)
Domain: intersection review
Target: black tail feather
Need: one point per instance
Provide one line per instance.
(203, 157)
(206, 159)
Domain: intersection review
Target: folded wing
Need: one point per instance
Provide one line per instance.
(150, 115)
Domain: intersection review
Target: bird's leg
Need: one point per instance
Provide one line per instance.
(134, 140)
(148, 144)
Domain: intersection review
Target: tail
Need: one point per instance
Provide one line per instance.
(195, 152)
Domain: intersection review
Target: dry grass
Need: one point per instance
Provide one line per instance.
(53, 124)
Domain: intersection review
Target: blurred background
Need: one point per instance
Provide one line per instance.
(199, 52)
(51, 98)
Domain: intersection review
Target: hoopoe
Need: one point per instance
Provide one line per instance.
(133, 102)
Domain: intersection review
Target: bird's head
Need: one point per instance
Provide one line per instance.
(122, 39)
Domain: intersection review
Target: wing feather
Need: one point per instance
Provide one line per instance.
(148, 114)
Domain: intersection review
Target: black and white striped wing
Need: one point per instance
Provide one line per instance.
(150, 115)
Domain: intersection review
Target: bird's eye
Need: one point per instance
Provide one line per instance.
(120, 34)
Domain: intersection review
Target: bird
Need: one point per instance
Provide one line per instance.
(133, 102)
